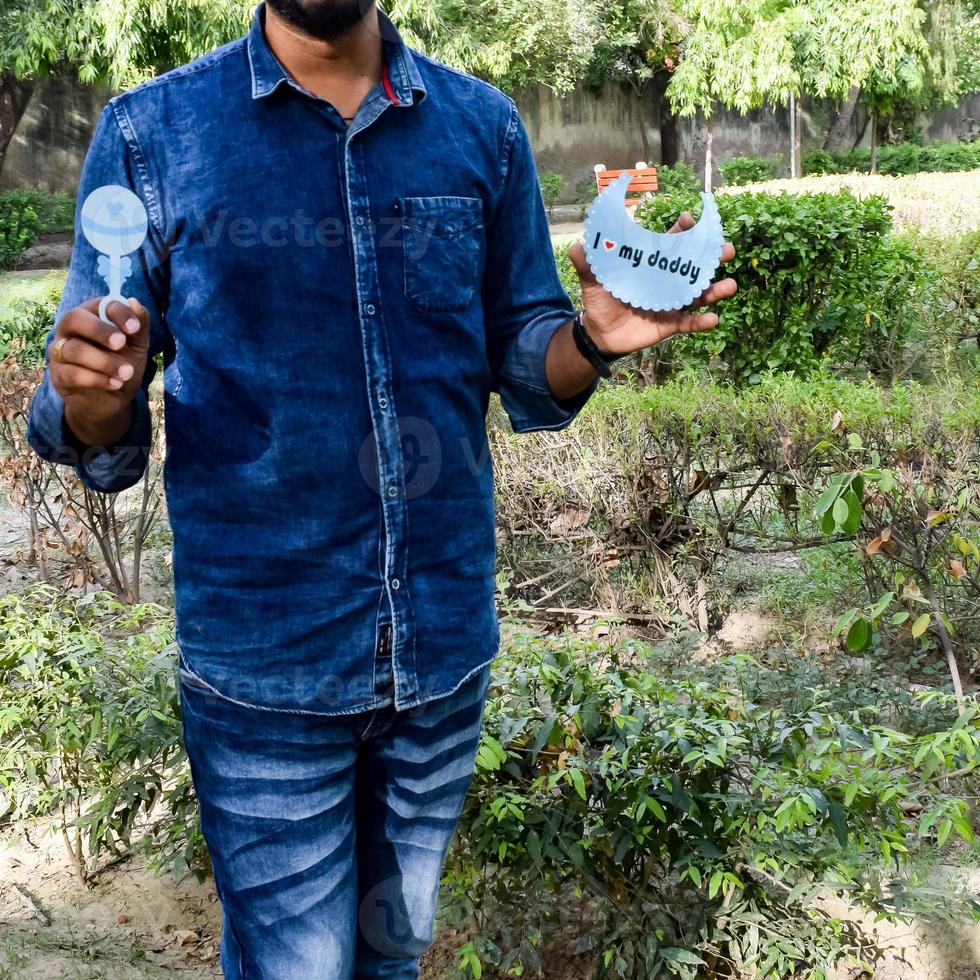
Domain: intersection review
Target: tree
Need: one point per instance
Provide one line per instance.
(738, 55)
(940, 72)
(872, 51)
(639, 43)
(503, 41)
(115, 43)
(636, 42)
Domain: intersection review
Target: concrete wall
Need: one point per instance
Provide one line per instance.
(48, 149)
(570, 135)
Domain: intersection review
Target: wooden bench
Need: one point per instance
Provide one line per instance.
(644, 182)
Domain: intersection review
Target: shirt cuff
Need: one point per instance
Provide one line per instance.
(102, 470)
(524, 390)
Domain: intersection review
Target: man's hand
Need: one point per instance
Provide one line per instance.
(98, 367)
(620, 329)
(616, 328)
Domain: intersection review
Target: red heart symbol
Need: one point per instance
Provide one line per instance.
(609, 245)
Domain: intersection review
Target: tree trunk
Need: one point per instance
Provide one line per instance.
(708, 157)
(793, 172)
(837, 134)
(669, 137)
(798, 137)
(644, 139)
(669, 140)
(15, 96)
(874, 141)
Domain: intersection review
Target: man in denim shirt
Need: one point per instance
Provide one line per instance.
(347, 254)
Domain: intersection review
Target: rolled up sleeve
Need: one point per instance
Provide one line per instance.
(115, 468)
(104, 470)
(524, 300)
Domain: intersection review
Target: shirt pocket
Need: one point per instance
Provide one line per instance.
(445, 242)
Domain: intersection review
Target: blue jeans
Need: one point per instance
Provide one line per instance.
(328, 834)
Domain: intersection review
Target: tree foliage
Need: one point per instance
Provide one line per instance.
(116, 42)
(500, 41)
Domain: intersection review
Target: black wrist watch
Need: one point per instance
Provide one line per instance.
(599, 360)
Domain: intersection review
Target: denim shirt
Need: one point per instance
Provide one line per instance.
(334, 306)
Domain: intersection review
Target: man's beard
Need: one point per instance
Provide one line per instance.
(323, 19)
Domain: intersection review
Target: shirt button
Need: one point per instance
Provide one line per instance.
(359, 221)
(382, 402)
(392, 491)
(370, 310)
(396, 584)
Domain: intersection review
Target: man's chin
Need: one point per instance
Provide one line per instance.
(325, 20)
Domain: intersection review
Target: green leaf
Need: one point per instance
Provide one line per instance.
(880, 606)
(854, 513)
(841, 513)
(826, 500)
(838, 820)
(676, 955)
(715, 883)
(846, 619)
(859, 635)
(578, 781)
(921, 625)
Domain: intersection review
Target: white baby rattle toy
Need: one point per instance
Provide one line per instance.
(115, 223)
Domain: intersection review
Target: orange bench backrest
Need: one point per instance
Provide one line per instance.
(644, 181)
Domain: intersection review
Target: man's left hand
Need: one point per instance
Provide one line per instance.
(617, 328)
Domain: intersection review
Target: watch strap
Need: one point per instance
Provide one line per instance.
(586, 346)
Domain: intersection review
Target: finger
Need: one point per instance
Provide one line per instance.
(84, 323)
(698, 323)
(716, 292)
(85, 354)
(577, 254)
(727, 252)
(143, 314)
(71, 377)
(690, 323)
(684, 223)
(124, 317)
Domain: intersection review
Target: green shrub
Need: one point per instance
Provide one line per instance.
(805, 265)
(948, 156)
(90, 725)
(568, 275)
(892, 344)
(637, 504)
(552, 185)
(25, 326)
(819, 162)
(747, 170)
(896, 159)
(19, 228)
(689, 827)
(678, 178)
(904, 158)
(24, 215)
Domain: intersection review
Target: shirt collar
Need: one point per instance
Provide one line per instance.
(401, 78)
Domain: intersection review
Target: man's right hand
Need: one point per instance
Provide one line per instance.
(98, 367)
